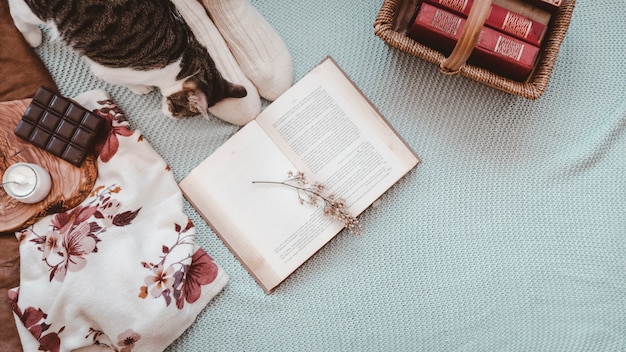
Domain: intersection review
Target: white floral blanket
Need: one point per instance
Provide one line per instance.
(122, 270)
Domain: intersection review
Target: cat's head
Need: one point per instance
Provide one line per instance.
(196, 97)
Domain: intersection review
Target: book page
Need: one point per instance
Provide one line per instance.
(263, 224)
(322, 126)
(333, 134)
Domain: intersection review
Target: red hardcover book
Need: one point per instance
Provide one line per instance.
(549, 5)
(506, 21)
(498, 52)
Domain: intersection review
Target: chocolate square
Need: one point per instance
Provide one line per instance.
(40, 137)
(82, 136)
(33, 113)
(91, 122)
(76, 113)
(56, 146)
(74, 154)
(24, 129)
(59, 126)
(49, 121)
(65, 130)
(59, 105)
(43, 96)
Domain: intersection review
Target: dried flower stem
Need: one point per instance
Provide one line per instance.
(313, 193)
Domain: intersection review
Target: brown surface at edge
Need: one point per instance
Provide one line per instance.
(22, 71)
(9, 278)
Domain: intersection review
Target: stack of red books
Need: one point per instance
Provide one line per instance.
(509, 43)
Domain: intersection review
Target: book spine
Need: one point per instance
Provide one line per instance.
(525, 9)
(507, 21)
(549, 5)
(498, 52)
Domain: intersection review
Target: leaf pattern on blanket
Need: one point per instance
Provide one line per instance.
(182, 280)
(75, 234)
(34, 320)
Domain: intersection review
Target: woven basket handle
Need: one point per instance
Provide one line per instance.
(468, 38)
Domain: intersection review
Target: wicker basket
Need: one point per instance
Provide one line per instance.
(391, 30)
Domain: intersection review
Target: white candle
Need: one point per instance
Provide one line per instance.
(28, 183)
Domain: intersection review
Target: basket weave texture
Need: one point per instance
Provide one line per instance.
(385, 27)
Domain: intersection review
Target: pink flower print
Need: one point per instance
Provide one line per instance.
(183, 279)
(50, 342)
(35, 321)
(13, 295)
(54, 252)
(63, 221)
(69, 241)
(202, 271)
(161, 281)
(65, 252)
(108, 210)
(115, 125)
(53, 242)
(109, 207)
(73, 235)
(127, 340)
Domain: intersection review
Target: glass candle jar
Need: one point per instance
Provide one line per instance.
(28, 183)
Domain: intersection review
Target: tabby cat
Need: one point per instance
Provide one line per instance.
(139, 44)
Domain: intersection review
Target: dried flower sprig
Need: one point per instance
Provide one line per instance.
(313, 194)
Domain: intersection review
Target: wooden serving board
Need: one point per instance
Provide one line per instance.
(70, 184)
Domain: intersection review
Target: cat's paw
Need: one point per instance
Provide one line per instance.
(140, 89)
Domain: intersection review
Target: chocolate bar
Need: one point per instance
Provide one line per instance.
(59, 126)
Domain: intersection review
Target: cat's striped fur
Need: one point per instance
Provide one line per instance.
(137, 43)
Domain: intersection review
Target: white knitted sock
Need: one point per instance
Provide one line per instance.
(238, 111)
(259, 49)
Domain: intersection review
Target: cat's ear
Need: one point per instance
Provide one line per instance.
(235, 90)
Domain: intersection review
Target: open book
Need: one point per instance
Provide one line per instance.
(322, 126)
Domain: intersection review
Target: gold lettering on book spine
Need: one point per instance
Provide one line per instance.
(516, 24)
(509, 48)
(446, 22)
(458, 5)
